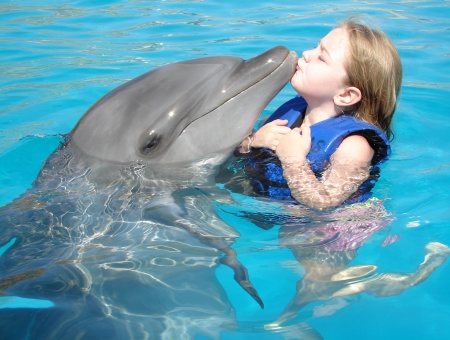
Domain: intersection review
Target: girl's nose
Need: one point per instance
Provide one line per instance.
(306, 55)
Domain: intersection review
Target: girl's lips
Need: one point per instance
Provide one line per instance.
(298, 68)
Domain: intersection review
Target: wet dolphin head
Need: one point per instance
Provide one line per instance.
(184, 111)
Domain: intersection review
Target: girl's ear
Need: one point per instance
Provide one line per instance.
(348, 97)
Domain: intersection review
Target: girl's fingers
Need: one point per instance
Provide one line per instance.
(306, 131)
(281, 122)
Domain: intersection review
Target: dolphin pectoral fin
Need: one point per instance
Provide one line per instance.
(186, 211)
(215, 232)
(241, 275)
(229, 259)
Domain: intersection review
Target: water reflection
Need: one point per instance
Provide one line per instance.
(325, 244)
(325, 250)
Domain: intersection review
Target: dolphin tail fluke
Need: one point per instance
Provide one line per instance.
(241, 274)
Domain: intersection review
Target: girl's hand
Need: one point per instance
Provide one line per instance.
(296, 144)
(269, 135)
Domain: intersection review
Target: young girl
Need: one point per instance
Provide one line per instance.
(329, 140)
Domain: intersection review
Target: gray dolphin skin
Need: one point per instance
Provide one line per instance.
(183, 111)
(120, 235)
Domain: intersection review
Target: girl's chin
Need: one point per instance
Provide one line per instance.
(295, 83)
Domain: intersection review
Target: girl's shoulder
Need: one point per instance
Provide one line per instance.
(355, 147)
(328, 135)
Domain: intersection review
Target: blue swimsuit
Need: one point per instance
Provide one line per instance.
(264, 168)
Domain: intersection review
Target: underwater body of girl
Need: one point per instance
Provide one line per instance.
(319, 155)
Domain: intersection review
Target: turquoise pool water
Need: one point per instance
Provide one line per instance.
(57, 58)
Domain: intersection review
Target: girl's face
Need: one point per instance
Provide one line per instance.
(320, 72)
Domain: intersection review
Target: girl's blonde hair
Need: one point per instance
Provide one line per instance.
(374, 67)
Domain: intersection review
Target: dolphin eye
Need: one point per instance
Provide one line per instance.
(149, 145)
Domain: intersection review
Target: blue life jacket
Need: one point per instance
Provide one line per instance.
(264, 168)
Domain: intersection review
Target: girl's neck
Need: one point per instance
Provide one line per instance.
(314, 115)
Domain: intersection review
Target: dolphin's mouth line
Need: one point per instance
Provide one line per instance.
(238, 94)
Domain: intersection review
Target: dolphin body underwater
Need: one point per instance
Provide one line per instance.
(118, 236)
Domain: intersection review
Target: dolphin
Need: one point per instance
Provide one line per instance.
(204, 107)
(120, 234)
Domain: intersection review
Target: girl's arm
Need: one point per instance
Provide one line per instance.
(349, 168)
